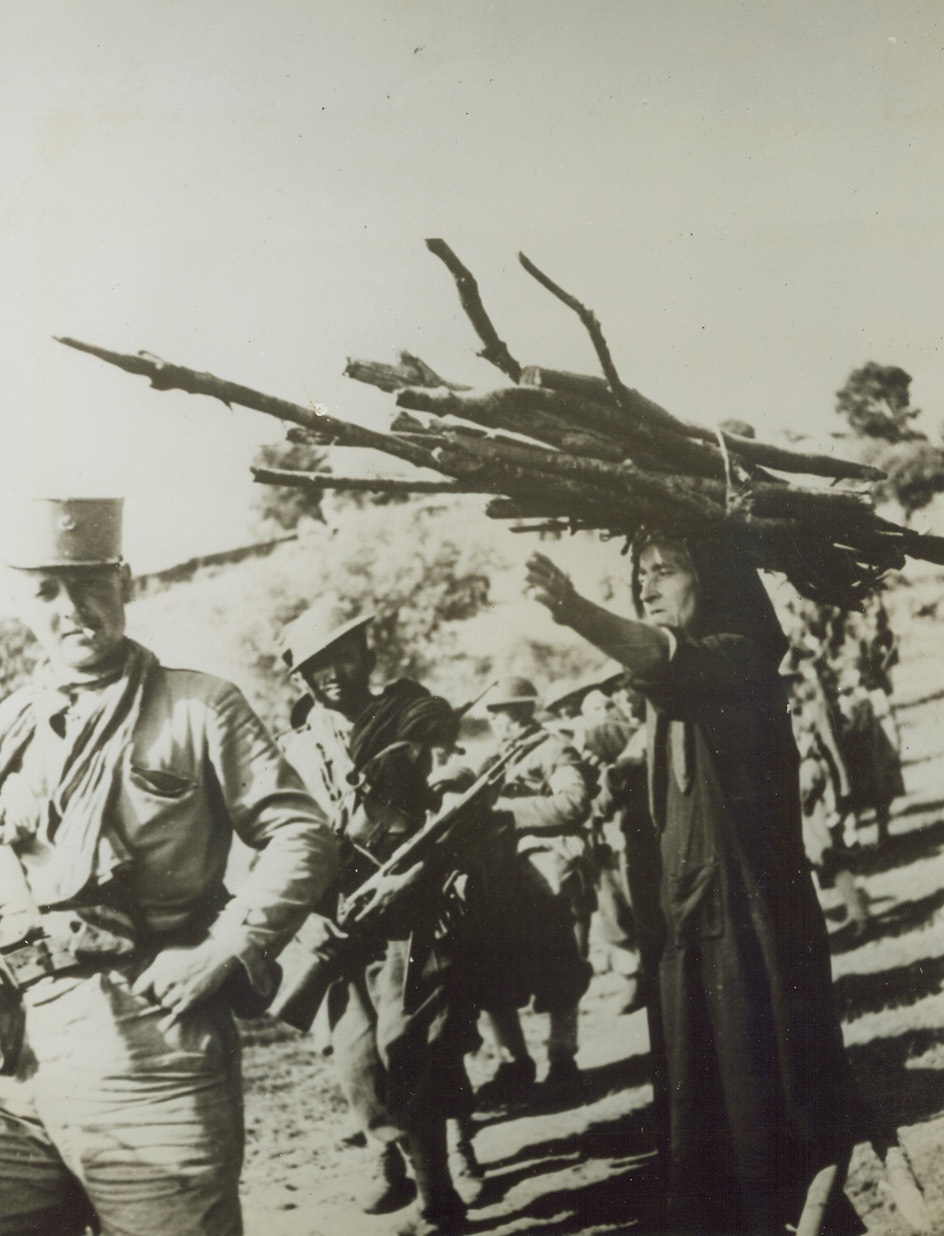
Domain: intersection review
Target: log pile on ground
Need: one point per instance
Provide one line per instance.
(558, 450)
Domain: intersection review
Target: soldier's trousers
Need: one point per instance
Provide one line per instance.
(114, 1120)
(399, 1030)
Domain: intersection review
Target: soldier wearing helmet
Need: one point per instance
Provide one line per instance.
(547, 792)
(400, 1025)
(327, 650)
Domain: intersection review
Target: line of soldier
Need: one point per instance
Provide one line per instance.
(573, 803)
(839, 674)
(846, 659)
(510, 925)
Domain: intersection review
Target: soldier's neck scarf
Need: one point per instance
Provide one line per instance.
(403, 720)
(75, 821)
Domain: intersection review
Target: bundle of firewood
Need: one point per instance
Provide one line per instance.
(565, 451)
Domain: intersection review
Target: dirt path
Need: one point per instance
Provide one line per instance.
(590, 1169)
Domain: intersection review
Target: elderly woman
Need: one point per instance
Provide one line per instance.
(760, 1100)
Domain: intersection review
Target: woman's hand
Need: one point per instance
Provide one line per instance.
(549, 585)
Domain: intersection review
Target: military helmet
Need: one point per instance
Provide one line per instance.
(512, 692)
(316, 630)
(567, 695)
(571, 693)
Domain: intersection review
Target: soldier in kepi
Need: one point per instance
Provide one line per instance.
(122, 784)
(400, 1024)
(546, 791)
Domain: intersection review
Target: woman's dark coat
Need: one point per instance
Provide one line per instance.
(751, 1034)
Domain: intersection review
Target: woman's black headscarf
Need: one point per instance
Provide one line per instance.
(732, 599)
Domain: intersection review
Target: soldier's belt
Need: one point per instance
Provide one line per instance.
(548, 834)
(37, 959)
(520, 789)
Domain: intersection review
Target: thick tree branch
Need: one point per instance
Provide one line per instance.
(360, 484)
(495, 350)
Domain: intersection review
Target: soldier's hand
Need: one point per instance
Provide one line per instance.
(451, 775)
(387, 889)
(179, 978)
(20, 918)
(21, 810)
(549, 585)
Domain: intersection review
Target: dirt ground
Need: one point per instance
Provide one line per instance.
(590, 1169)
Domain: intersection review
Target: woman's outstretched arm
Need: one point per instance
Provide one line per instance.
(642, 648)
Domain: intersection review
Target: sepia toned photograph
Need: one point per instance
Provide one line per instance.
(471, 601)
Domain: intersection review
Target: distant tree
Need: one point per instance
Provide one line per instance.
(876, 402)
(418, 571)
(444, 583)
(19, 653)
(283, 505)
(915, 474)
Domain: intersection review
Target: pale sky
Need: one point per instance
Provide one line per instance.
(748, 194)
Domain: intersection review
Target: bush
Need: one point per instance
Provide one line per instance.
(20, 654)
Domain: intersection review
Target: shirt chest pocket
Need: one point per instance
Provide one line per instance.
(153, 802)
(159, 783)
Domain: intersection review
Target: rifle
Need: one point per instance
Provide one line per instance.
(467, 707)
(367, 912)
